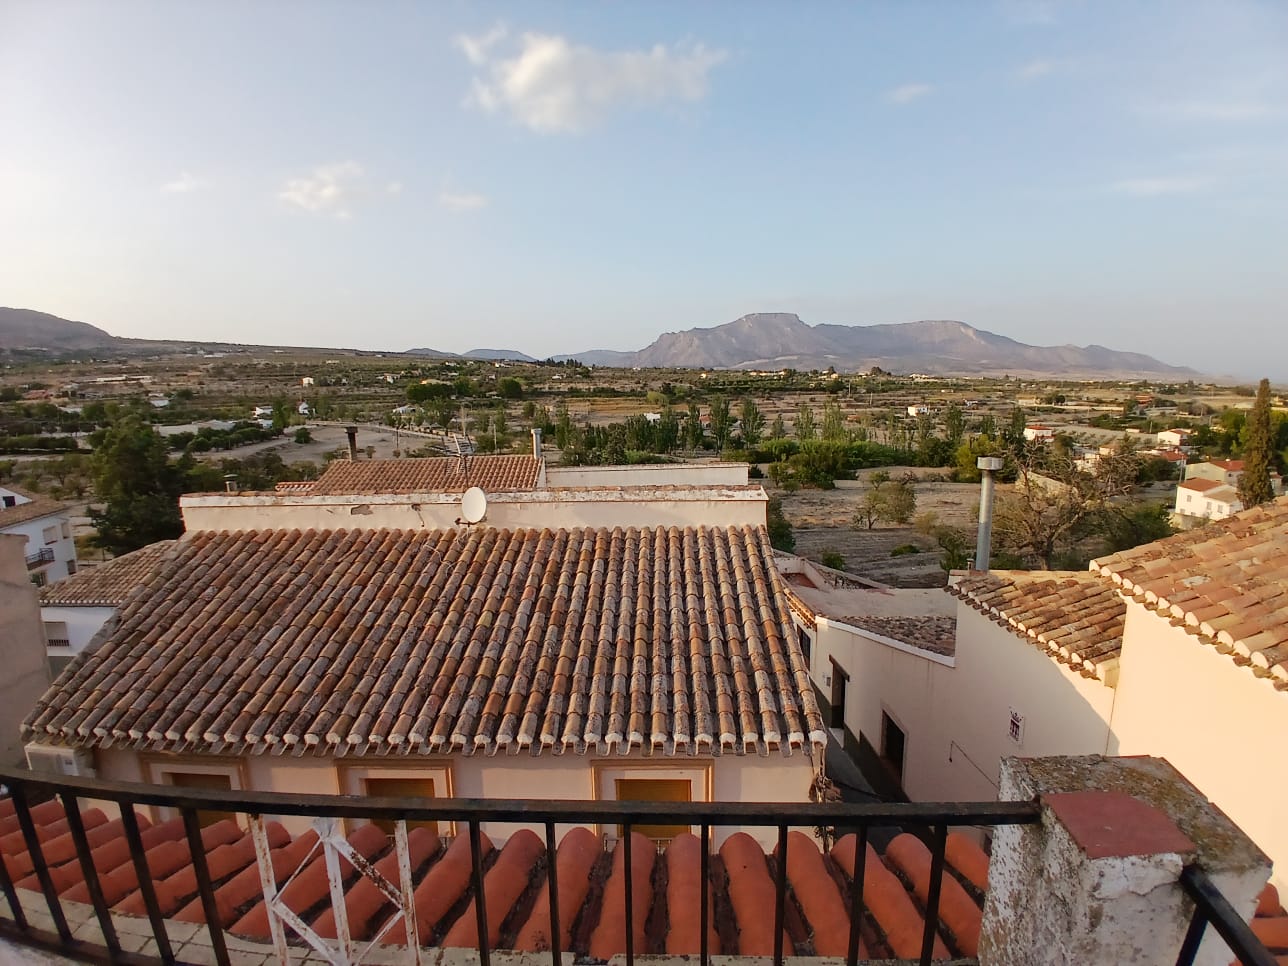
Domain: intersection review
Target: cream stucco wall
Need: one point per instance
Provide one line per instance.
(1218, 724)
(773, 778)
(25, 674)
(666, 474)
(681, 507)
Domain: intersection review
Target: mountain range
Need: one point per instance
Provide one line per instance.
(762, 340)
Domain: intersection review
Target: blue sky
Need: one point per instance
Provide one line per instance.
(555, 177)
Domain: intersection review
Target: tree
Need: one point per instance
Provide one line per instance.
(1141, 523)
(1258, 452)
(1054, 506)
(954, 425)
(778, 430)
(721, 421)
(887, 501)
(805, 428)
(954, 543)
(833, 423)
(509, 388)
(693, 432)
(138, 486)
(753, 422)
(781, 536)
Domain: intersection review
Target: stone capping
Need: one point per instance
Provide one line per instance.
(1107, 824)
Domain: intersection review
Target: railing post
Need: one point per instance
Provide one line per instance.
(29, 836)
(932, 896)
(408, 889)
(480, 903)
(268, 883)
(132, 837)
(856, 895)
(780, 895)
(552, 885)
(76, 825)
(11, 895)
(335, 879)
(629, 893)
(192, 828)
(704, 920)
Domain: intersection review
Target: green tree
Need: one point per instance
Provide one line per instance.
(833, 423)
(1136, 524)
(138, 486)
(693, 427)
(509, 388)
(778, 430)
(753, 422)
(721, 421)
(1258, 452)
(781, 536)
(954, 424)
(887, 501)
(805, 427)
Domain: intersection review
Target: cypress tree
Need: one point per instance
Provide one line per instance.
(1254, 485)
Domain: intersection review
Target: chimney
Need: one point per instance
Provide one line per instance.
(352, 433)
(988, 465)
(230, 482)
(536, 442)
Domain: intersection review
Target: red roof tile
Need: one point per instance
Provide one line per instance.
(37, 507)
(1201, 485)
(1226, 583)
(412, 642)
(741, 891)
(1074, 617)
(444, 474)
(108, 584)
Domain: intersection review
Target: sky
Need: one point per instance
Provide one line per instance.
(557, 177)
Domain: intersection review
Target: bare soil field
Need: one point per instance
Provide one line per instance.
(824, 522)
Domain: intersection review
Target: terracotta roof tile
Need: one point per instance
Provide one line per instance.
(1226, 583)
(108, 584)
(414, 642)
(1074, 617)
(37, 507)
(1201, 485)
(935, 634)
(740, 888)
(445, 474)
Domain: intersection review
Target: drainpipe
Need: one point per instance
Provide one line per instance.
(352, 433)
(988, 465)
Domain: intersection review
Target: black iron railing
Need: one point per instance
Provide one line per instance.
(40, 558)
(931, 820)
(1210, 906)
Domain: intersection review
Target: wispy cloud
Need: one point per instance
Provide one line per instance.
(330, 189)
(550, 84)
(462, 200)
(907, 93)
(1030, 13)
(1153, 187)
(1036, 69)
(184, 184)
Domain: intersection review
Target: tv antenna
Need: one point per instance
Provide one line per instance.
(473, 506)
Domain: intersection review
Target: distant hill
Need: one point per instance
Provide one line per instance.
(508, 355)
(28, 329)
(779, 340)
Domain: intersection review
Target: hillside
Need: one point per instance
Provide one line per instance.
(776, 340)
(28, 329)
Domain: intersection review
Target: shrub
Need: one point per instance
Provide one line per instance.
(832, 558)
(904, 549)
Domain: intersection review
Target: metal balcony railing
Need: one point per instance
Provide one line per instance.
(41, 557)
(27, 789)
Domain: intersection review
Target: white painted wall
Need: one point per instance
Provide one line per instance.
(547, 777)
(82, 624)
(1221, 727)
(64, 547)
(625, 507)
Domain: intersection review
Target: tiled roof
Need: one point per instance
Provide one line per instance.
(108, 584)
(935, 634)
(1230, 466)
(1074, 617)
(1201, 485)
(39, 506)
(1226, 583)
(590, 900)
(444, 474)
(431, 641)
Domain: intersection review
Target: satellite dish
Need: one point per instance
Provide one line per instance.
(473, 505)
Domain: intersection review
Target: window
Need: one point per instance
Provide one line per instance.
(400, 788)
(396, 781)
(805, 646)
(39, 578)
(654, 790)
(56, 634)
(647, 782)
(71, 567)
(1015, 727)
(840, 678)
(893, 741)
(225, 774)
(10, 501)
(67, 530)
(50, 535)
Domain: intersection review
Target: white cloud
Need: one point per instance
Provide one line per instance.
(476, 48)
(553, 85)
(462, 200)
(329, 189)
(184, 184)
(1153, 187)
(1210, 110)
(908, 93)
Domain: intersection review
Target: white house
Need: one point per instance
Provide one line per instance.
(304, 409)
(578, 642)
(1037, 433)
(1200, 499)
(1176, 439)
(1177, 649)
(306, 381)
(262, 412)
(76, 609)
(47, 526)
(919, 410)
